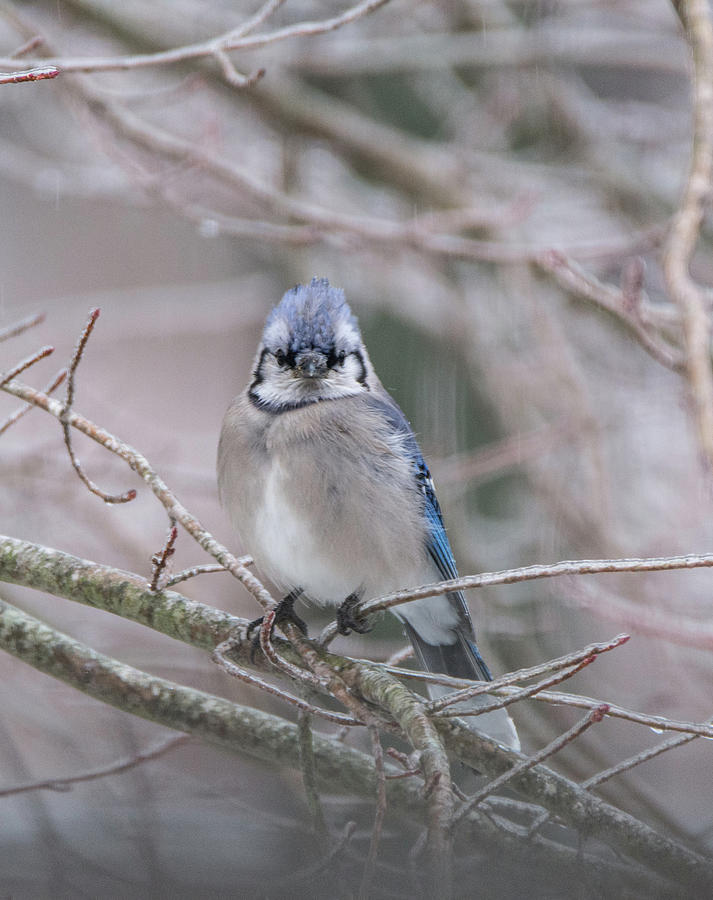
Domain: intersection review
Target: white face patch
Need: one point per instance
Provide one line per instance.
(283, 387)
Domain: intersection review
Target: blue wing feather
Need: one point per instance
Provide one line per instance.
(462, 658)
(438, 545)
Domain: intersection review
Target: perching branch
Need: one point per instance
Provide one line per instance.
(191, 621)
(527, 573)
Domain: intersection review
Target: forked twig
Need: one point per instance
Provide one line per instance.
(159, 561)
(516, 696)
(220, 656)
(26, 407)
(204, 569)
(585, 656)
(65, 418)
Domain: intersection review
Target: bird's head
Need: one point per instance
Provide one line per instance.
(311, 350)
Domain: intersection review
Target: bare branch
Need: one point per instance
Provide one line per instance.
(219, 656)
(368, 876)
(16, 328)
(515, 697)
(584, 656)
(7, 376)
(596, 715)
(656, 723)
(160, 560)
(39, 73)
(636, 760)
(64, 784)
(528, 573)
(582, 284)
(26, 407)
(66, 411)
(140, 464)
(205, 569)
(235, 39)
(309, 777)
(685, 227)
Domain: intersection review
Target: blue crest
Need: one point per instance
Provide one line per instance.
(317, 316)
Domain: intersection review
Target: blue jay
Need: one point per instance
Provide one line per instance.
(322, 477)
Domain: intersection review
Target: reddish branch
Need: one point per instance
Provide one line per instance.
(8, 376)
(40, 73)
(160, 560)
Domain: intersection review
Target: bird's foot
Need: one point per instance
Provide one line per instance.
(348, 620)
(284, 612)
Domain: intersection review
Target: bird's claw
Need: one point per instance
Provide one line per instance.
(348, 620)
(284, 612)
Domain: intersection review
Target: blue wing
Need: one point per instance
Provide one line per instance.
(462, 658)
(438, 546)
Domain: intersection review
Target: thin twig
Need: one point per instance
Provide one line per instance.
(208, 48)
(528, 573)
(159, 561)
(16, 328)
(521, 694)
(143, 468)
(368, 876)
(206, 569)
(656, 723)
(574, 279)
(563, 662)
(30, 44)
(66, 424)
(219, 656)
(26, 407)
(596, 715)
(28, 361)
(636, 760)
(309, 776)
(39, 73)
(64, 784)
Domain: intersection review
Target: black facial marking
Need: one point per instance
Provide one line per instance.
(257, 374)
(361, 377)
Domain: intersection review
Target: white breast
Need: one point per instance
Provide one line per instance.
(286, 548)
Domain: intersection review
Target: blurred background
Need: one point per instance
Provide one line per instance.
(421, 158)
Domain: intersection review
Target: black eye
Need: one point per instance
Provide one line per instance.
(341, 357)
(280, 358)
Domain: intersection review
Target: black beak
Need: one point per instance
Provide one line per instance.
(312, 364)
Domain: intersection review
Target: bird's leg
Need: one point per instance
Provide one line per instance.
(347, 620)
(284, 612)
